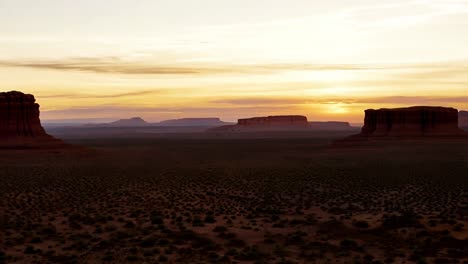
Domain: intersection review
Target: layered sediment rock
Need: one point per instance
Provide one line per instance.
(19, 121)
(412, 123)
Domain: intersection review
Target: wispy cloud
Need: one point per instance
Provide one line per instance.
(397, 100)
(108, 65)
(85, 96)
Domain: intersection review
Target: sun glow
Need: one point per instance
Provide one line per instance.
(337, 108)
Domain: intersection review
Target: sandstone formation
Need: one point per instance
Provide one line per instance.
(411, 123)
(20, 124)
(463, 119)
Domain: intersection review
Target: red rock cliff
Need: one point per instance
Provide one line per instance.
(412, 121)
(19, 116)
(20, 126)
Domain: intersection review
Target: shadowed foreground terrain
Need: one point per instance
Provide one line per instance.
(235, 200)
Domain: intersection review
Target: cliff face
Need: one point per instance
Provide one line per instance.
(20, 126)
(290, 120)
(19, 116)
(412, 121)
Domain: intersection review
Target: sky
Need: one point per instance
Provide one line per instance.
(164, 59)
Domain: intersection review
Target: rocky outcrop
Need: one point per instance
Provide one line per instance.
(19, 121)
(19, 116)
(408, 123)
(412, 121)
(463, 119)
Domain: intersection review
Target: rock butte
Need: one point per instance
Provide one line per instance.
(268, 123)
(280, 123)
(411, 122)
(20, 125)
(288, 120)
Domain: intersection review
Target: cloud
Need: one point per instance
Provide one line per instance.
(398, 100)
(115, 65)
(412, 100)
(85, 96)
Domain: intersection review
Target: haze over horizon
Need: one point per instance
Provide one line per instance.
(233, 59)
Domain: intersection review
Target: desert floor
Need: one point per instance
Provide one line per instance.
(224, 199)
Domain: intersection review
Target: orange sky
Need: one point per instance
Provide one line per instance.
(234, 59)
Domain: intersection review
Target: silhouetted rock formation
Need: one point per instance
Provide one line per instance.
(411, 122)
(20, 124)
(206, 122)
(330, 125)
(134, 121)
(268, 123)
(130, 122)
(463, 119)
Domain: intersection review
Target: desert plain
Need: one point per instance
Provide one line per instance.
(253, 197)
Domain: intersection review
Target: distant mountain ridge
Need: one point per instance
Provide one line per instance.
(213, 121)
(183, 122)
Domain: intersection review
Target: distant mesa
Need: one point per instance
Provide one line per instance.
(463, 119)
(192, 122)
(274, 121)
(280, 123)
(268, 123)
(131, 122)
(184, 122)
(20, 126)
(411, 122)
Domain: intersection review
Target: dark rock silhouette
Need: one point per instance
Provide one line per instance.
(207, 122)
(463, 119)
(130, 122)
(272, 121)
(20, 124)
(412, 123)
(282, 123)
(134, 121)
(268, 123)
